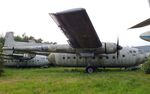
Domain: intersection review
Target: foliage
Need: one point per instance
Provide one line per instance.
(25, 38)
(2, 40)
(73, 81)
(146, 67)
(1, 59)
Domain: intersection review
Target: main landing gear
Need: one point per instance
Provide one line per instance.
(90, 69)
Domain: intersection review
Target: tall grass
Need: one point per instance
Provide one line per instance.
(73, 81)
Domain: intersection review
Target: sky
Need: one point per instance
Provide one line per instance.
(110, 18)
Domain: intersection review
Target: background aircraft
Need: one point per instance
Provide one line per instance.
(22, 59)
(36, 61)
(84, 49)
(145, 35)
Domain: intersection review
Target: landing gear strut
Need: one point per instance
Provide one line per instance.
(90, 69)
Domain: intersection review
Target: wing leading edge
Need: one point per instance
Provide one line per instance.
(77, 27)
(141, 24)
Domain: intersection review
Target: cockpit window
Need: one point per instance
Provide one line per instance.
(130, 51)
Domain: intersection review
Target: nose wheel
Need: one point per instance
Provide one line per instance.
(90, 69)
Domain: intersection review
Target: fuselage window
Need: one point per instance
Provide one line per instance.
(134, 51)
(100, 57)
(123, 55)
(113, 57)
(63, 57)
(80, 57)
(94, 57)
(68, 57)
(107, 57)
(74, 57)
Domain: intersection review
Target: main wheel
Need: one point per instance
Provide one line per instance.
(90, 69)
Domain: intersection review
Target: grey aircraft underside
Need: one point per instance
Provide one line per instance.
(84, 49)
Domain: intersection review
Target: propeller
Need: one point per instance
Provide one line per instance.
(118, 47)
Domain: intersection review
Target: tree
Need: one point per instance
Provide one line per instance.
(39, 40)
(1, 39)
(18, 38)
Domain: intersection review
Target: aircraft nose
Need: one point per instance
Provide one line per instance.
(145, 36)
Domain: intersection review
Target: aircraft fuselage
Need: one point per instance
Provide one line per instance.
(128, 57)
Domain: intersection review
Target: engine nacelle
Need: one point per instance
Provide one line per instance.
(109, 48)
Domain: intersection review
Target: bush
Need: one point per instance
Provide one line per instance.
(1, 60)
(146, 67)
(1, 65)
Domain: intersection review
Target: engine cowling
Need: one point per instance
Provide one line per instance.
(109, 48)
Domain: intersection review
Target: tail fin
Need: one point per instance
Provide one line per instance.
(9, 39)
(9, 42)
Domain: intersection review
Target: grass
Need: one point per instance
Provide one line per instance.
(73, 81)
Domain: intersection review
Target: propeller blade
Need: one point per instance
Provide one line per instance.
(118, 47)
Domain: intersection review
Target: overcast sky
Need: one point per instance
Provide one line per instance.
(110, 18)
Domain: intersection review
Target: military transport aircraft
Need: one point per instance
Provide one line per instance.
(84, 49)
(17, 59)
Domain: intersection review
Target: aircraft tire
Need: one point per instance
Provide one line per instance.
(90, 69)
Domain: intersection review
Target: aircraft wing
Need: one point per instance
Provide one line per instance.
(141, 24)
(77, 27)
